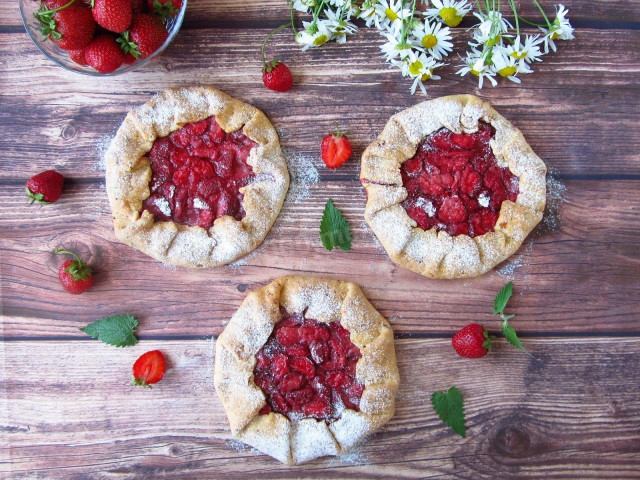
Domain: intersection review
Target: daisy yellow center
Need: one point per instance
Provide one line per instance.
(519, 55)
(507, 71)
(475, 72)
(415, 67)
(555, 35)
(391, 15)
(426, 76)
(450, 16)
(429, 41)
(492, 42)
(320, 40)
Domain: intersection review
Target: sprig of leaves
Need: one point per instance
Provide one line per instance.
(46, 18)
(449, 407)
(334, 229)
(499, 304)
(127, 45)
(117, 330)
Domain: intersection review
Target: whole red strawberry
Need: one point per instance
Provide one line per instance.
(114, 15)
(472, 341)
(104, 54)
(137, 6)
(68, 23)
(45, 187)
(165, 8)
(74, 275)
(78, 57)
(335, 149)
(146, 35)
(148, 369)
(277, 76)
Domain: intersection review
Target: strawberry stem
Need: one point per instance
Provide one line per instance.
(49, 12)
(62, 251)
(264, 44)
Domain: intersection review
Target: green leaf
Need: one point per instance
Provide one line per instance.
(448, 406)
(502, 298)
(115, 330)
(511, 336)
(334, 229)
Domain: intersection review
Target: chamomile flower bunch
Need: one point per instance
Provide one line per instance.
(331, 21)
(498, 50)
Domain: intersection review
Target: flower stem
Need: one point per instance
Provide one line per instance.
(271, 34)
(533, 24)
(515, 14)
(543, 14)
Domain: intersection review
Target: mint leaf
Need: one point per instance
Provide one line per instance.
(115, 330)
(502, 298)
(334, 229)
(511, 336)
(448, 406)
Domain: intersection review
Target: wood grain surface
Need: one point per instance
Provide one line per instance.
(570, 411)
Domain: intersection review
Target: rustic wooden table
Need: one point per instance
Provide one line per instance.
(570, 411)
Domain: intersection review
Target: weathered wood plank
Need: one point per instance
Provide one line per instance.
(570, 112)
(582, 277)
(275, 12)
(571, 411)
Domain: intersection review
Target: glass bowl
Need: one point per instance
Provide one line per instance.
(60, 57)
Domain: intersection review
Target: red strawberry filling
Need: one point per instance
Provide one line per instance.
(455, 184)
(307, 369)
(197, 172)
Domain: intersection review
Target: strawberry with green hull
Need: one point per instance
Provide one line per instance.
(165, 8)
(104, 54)
(472, 341)
(335, 149)
(149, 369)
(75, 276)
(113, 15)
(146, 35)
(276, 75)
(67, 23)
(45, 187)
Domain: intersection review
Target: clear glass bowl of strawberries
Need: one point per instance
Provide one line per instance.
(102, 37)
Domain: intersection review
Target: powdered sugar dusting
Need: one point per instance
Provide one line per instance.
(303, 173)
(509, 268)
(556, 191)
(239, 446)
(101, 148)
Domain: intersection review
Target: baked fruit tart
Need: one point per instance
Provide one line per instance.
(306, 368)
(195, 177)
(452, 187)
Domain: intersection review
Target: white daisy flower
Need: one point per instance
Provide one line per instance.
(368, 12)
(394, 48)
(492, 27)
(474, 64)
(339, 27)
(390, 14)
(508, 66)
(448, 11)
(433, 38)
(314, 34)
(419, 66)
(560, 29)
(304, 6)
(529, 52)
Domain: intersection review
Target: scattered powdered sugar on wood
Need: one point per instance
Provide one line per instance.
(303, 174)
(556, 191)
(101, 149)
(239, 446)
(509, 268)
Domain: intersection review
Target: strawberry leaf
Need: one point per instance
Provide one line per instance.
(334, 229)
(166, 10)
(511, 336)
(502, 298)
(448, 405)
(127, 46)
(117, 330)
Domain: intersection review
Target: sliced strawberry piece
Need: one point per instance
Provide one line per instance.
(149, 369)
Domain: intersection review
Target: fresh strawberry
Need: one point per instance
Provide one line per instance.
(74, 275)
(335, 149)
(137, 6)
(472, 341)
(146, 35)
(69, 24)
(277, 76)
(129, 59)
(78, 57)
(165, 8)
(45, 187)
(104, 54)
(148, 369)
(113, 15)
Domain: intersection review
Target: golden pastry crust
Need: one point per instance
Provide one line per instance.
(128, 173)
(437, 254)
(324, 300)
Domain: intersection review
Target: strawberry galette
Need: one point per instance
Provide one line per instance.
(195, 177)
(453, 188)
(306, 368)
